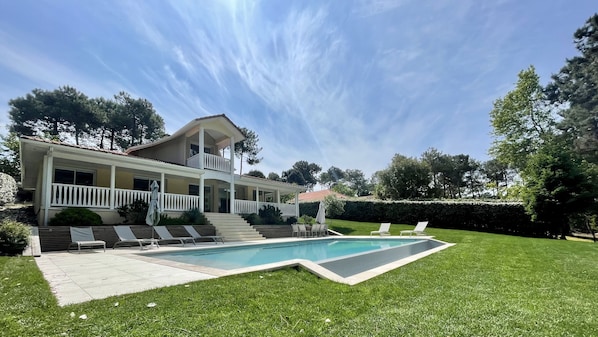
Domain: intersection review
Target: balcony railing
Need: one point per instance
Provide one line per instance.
(211, 162)
(66, 195)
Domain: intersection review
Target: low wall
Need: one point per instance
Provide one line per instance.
(274, 231)
(55, 238)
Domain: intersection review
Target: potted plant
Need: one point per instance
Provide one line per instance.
(14, 237)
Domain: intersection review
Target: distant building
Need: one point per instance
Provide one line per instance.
(319, 195)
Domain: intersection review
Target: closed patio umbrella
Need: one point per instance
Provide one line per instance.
(153, 211)
(321, 216)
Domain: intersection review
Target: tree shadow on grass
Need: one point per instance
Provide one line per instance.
(343, 230)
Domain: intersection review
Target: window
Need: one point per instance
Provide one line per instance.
(143, 184)
(195, 150)
(193, 189)
(73, 177)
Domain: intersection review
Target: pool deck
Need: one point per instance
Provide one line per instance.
(92, 274)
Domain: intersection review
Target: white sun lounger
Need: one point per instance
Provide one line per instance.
(83, 237)
(418, 230)
(166, 236)
(126, 237)
(195, 235)
(383, 230)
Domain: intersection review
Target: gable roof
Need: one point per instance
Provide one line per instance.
(225, 121)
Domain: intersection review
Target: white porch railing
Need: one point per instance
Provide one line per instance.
(248, 207)
(211, 162)
(180, 202)
(66, 195)
(82, 196)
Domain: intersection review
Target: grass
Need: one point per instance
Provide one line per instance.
(486, 285)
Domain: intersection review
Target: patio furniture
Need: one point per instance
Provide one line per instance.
(383, 230)
(126, 237)
(295, 230)
(302, 230)
(83, 237)
(418, 230)
(316, 230)
(195, 235)
(166, 236)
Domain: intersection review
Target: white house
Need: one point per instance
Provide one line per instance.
(188, 165)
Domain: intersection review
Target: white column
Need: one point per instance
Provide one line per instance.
(112, 185)
(201, 146)
(201, 193)
(48, 170)
(278, 196)
(162, 188)
(257, 199)
(232, 175)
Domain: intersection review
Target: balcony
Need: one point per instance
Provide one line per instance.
(211, 162)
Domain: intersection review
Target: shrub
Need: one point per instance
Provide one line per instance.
(271, 215)
(8, 189)
(165, 220)
(76, 217)
(194, 216)
(134, 212)
(291, 220)
(334, 205)
(14, 236)
(252, 218)
(306, 219)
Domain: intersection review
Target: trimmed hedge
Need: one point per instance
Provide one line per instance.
(507, 218)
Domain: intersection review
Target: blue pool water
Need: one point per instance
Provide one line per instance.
(229, 258)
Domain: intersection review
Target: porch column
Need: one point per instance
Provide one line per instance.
(112, 185)
(232, 175)
(48, 169)
(257, 199)
(297, 203)
(278, 196)
(201, 150)
(201, 193)
(162, 188)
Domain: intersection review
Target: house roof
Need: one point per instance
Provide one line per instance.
(194, 124)
(319, 195)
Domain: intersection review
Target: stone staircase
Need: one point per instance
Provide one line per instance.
(233, 227)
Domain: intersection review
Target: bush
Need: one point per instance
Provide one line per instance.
(14, 236)
(334, 205)
(135, 212)
(271, 215)
(252, 218)
(507, 218)
(291, 220)
(8, 189)
(194, 216)
(165, 220)
(76, 217)
(306, 219)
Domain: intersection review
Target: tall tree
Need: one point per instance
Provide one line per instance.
(497, 174)
(142, 124)
(302, 173)
(405, 178)
(331, 176)
(559, 185)
(356, 180)
(521, 121)
(274, 176)
(576, 86)
(249, 148)
(256, 173)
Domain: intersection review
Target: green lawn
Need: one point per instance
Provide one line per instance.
(486, 285)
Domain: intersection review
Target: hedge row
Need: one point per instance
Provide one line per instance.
(507, 218)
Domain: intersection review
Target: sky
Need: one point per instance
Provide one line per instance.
(345, 83)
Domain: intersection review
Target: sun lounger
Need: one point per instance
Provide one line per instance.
(126, 237)
(195, 235)
(418, 230)
(83, 237)
(166, 236)
(383, 230)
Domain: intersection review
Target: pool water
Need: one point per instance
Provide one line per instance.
(229, 258)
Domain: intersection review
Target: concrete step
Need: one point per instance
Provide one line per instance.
(233, 227)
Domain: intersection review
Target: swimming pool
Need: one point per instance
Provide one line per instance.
(342, 259)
